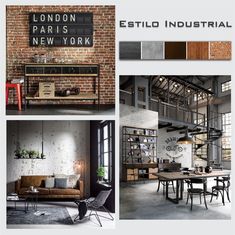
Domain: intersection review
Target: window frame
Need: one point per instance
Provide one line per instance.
(226, 86)
(225, 136)
(101, 152)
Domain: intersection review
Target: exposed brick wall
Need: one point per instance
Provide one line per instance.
(103, 51)
(220, 50)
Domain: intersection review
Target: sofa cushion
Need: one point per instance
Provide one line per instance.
(33, 180)
(73, 181)
(60, 176)
(61, 183)
(68, 191)
(42, 191)
(50, 182)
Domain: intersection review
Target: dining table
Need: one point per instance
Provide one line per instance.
(180, 177)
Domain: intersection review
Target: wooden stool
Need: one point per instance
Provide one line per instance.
(16, 86)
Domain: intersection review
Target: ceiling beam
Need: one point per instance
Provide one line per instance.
(175, 128)
(191, 130)
(160, 126)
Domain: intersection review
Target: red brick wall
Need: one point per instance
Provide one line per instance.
(103, 51)
(220, 50)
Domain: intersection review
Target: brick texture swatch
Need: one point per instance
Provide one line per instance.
(220, 50)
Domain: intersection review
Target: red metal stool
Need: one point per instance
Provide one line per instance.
(16, 86)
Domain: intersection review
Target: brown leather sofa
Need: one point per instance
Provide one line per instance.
(38, 181)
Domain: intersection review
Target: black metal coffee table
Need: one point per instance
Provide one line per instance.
(17, 200)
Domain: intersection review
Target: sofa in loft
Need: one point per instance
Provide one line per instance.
(39, 182)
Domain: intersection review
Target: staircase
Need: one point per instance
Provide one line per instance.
(202, 141)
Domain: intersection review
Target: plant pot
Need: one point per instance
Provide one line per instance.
(100, 178)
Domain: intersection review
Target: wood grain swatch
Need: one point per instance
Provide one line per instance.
(175, 50)
(197, 50)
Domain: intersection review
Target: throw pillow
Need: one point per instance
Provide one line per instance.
(60, 176)
(73, 181)
(50, 182)
(61, 182)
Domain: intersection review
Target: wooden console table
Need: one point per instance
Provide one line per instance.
(63, 70)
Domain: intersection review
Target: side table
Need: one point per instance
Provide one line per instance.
(17, 200)
(32, 197)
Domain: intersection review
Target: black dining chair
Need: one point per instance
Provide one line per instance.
(222, 186)
(197, 191)
(163, 182)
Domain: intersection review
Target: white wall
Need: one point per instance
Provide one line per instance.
(64, 142)
(167, 148)
(137, 117)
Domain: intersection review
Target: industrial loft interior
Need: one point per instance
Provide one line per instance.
(175, 151)
(60, 174)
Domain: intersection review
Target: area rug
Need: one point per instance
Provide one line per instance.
(44, 215)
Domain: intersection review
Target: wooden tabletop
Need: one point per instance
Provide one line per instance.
(181, 176)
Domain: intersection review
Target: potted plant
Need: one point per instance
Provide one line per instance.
(18, 153)
(21, 153)
(33, 154)
(100, 173)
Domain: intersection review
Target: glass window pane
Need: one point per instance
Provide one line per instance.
(105, 132)
(106, 173)
(106, 145)
(106, 159)
(227, 133)
(226, 86)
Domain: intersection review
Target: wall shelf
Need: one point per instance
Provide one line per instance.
(139, 153)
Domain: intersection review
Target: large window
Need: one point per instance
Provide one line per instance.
(226, 86)
(105, 148)
(226, 138)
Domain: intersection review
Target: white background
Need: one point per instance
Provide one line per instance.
(157, 10)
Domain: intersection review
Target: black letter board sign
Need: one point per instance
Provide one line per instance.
(61, 29)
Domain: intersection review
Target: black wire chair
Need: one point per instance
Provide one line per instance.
(94, 205)
(98, 203)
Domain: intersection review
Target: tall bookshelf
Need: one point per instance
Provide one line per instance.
(139, 153)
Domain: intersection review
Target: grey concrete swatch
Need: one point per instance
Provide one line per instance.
(152, 50)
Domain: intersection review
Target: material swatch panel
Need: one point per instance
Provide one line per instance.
(152, 50)
(197, 50)
(220, 50)
(130, 50)
(175, 50)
